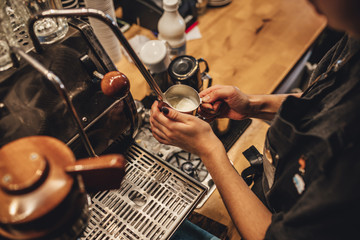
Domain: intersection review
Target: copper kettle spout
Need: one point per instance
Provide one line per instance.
(101, 173)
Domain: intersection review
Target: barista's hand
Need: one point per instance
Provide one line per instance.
(183, 130)
(224, 101)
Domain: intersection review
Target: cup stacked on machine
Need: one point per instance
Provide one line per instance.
(106, 37)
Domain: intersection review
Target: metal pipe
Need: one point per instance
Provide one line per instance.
(56, 81)
(110, 23)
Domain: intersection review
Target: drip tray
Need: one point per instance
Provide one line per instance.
(153, 200)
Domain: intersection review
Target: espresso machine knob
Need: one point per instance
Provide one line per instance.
(115, 84)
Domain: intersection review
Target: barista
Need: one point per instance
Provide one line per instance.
(311, 165)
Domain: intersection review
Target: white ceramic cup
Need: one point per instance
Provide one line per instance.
(155, 56)
(106, 37)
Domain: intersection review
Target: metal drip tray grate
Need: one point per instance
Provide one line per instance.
(153, 200)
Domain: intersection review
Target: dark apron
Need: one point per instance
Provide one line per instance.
(308, 132)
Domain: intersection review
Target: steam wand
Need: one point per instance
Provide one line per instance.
(109, 22)
(56, 81)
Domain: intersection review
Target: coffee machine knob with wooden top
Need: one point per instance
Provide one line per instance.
(115, 84)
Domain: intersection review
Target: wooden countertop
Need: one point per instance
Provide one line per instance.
(252, 45)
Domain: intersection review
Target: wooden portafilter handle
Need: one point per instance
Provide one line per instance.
(115, 84)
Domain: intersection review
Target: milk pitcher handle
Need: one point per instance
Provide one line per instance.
(204, 74)
(206, 66)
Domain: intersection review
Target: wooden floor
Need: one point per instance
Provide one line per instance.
(252, 45)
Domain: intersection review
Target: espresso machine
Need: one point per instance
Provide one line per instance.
(30, 104)
(154, 197)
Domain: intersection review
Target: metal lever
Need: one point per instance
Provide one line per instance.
(109, 22)
(56, 81)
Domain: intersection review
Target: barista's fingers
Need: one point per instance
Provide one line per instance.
(207, 111)
(175, 116)
(163, 125)
(159, 136)
(212, 108)
(217, 105)
(208, 107)
(158, 128)
(214, 94)
(154, 108)
(220, 93)
(211, 111)
(209, 90)
(156, 114)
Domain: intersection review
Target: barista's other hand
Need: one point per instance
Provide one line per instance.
(224, 101)
(183, 130)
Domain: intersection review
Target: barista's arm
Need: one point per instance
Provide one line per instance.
(192, 134)
(248, 213)
(230, 102)
(265, 106)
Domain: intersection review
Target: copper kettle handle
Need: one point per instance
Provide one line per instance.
(99, 173)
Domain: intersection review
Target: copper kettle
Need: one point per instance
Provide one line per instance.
(43, 188)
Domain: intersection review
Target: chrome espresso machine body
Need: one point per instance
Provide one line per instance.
(154, 197)
(30, 105)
